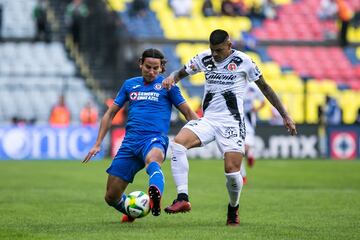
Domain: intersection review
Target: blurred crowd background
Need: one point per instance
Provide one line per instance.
(70, 57)
(63, 61)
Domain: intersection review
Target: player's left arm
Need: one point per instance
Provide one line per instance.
(275, 101)
(186, 110)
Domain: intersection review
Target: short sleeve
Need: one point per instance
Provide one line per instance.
(193, 66)
(122, 95)
(175, 96)
(253, 72)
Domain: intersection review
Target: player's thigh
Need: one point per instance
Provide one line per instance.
(125, 165)
(196, 133)
(155, 150)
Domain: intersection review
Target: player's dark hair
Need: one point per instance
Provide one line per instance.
(154, 53)
(218, 36)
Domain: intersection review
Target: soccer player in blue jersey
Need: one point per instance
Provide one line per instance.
(146, 140)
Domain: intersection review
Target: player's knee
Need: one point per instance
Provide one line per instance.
(110, 199)
(177, 147)
(179, 140)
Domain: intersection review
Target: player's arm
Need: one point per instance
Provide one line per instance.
(186, 110)
(105, 125)
(174, 77)
(275, 101)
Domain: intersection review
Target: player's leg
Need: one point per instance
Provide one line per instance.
(230, 139)
(234, 184)
(121, 172)
(194, 134)
(154, 159)
(114, 195)
(243, 172)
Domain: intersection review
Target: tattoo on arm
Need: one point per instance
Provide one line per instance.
(271, 96)
(180, 75)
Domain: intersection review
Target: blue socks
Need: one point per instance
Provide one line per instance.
(120, 206)
(156, 176)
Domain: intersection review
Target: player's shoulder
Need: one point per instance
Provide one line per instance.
(240, 54)
(133, 81)
(159, 78)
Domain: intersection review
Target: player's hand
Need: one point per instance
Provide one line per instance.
(92, 153)
(168, 82)
(290, 125)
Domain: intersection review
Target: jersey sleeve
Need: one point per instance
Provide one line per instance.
(175, 96)
(122, 95)
(253, 72)
(193, 66)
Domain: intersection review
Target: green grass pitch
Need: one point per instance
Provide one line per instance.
(284, 199)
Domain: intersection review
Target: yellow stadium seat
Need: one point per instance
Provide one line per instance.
(313, 101)
(349, 101)
(198, 79)
(358, 53)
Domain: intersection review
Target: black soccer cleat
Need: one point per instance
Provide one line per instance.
(233, 216)
(155, 200)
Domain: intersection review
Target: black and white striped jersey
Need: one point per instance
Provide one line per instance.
(225, 82)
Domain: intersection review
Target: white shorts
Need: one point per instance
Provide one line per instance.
(229, 136)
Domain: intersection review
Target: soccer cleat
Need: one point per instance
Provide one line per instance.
(125, 218)
(250, 161)
(233, 216)
(178, 206)
(155, 200)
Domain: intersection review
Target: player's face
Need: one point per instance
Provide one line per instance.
(150, 68)
(220, 51)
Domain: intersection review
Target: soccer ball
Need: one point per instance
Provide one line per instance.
(137, 204)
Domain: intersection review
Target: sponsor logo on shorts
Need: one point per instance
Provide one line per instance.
(230, 132)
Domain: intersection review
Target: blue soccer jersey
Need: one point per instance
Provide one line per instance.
(149, 106)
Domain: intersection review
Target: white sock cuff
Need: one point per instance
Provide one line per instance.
(232, 174)
(178, 147)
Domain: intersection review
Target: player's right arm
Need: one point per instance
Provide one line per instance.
(106, 120)
(174, 78)
(188, 113)
(105, 125)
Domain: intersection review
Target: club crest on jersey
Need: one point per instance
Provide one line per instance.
(157, 86)
(134, 95)
(232, 67)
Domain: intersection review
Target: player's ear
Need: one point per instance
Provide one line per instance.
(163, 65)
(140, 62)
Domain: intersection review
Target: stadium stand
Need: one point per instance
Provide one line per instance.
(33, 75)
(294, 20)
(17, 19)
(302, 74)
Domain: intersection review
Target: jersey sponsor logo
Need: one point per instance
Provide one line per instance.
(151, 96)
(221, 79)
(230, 132)
(158, 86)
(208, 63)
(237, 61)
(136, 86)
